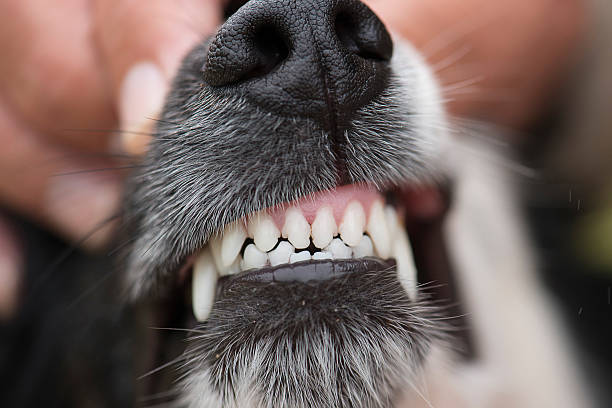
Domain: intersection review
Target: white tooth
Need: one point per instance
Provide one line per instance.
(351, 227)
(299, 256)
(296, 228)
(324, 227)
(232, 269)
(378, 230)
(318, 256)
(364, 248)
(406, 270)
(215, 245)
(393, 222)
(204, 285)
(253, 258)
(338, 249)
(280, 255)
(233, 239)
(264, 232)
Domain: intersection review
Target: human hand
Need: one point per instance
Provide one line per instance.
(70, 73)
(498, 61)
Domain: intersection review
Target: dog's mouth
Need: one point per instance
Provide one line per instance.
(349, 230)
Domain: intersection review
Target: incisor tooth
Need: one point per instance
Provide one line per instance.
(353, 222)
(364, 248)
(264, 232)
(296, 228)
(233, 239)
(204, 284)
(406, 270)
(253, 258)
(280, 255)
(299, 257)
(338, 249)
(318, 256)
(324, 227)
(379, 231)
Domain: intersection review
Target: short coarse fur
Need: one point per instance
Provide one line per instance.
(353, 341)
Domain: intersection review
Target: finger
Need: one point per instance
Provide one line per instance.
(10, 272)
(142, 47)
(50, 75)
(46, 183)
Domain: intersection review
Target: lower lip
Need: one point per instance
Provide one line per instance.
(309, 271)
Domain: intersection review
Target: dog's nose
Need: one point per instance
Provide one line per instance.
(321, 59)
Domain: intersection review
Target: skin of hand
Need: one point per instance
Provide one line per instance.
(497, 61)
(71, 74)
(73, 71)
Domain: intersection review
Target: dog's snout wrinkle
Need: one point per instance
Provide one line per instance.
(302, 58)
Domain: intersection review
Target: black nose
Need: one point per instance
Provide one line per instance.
(321, 59)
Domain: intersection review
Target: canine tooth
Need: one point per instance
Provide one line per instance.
(296, 228)
(393, 222)
(351, 228)
(338, 249)
(364, 248)
(299, 256)
(406, 270)
(215, 245)
(280, 255)
(264, 232)
(232, 269)
(204, 284)
(378, 230)
(253, 258)
(233, 239)
(324, 227)
(318, 256)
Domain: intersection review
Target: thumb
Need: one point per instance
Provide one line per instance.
(142, 45)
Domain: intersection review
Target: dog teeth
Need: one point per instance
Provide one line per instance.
(364, 248)
(379, 230)
(204, 285)
(324, 227)
(296, 228)
(406, 269)
(253, 258)
(264, 232)
(320, 256)
(299, 256)
(339, 250)
(357, 236)
(281, 254)
(233, 239)
(353, 223)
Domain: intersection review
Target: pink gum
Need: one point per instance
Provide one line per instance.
(337, 199)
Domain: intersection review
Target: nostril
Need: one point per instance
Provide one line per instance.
(362, 38)
(238, 54)
(270, 50)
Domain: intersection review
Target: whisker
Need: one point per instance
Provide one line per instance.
(42, 278)
(163, 366)
(97, 170)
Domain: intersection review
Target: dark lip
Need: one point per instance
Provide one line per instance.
(312, 271)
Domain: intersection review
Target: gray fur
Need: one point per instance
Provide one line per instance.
(353, 342)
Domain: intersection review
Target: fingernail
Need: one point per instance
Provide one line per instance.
(80, 207)
(10, 273)
(141, 99)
